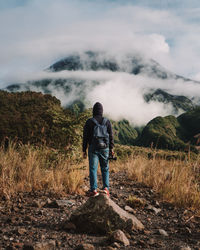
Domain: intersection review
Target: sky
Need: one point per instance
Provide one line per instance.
(36, 33)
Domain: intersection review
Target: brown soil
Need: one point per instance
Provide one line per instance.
(34, 217)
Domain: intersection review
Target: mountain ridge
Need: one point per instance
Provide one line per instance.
(74, 90)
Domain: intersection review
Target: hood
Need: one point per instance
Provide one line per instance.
(97, 109)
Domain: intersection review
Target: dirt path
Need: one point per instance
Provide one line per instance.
(31, 219)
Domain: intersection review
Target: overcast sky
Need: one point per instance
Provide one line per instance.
(36, 33)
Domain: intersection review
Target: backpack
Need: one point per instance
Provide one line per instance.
(100, 138)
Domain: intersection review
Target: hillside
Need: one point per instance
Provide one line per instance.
(35, 118)
(30, 117)
(173, 133)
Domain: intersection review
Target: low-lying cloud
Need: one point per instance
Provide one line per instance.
(121, 93)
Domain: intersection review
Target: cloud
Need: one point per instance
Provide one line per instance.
(36, 33)
(121, 93)
(40, 32)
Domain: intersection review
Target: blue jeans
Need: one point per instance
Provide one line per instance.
(96, 156)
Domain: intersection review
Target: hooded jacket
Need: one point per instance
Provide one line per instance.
(89, 127)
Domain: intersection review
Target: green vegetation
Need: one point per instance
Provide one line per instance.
(34, 118)
(37, 119)
(124, 133)
(190, 122)
(172, 133)
(163, 132)
(178, 102)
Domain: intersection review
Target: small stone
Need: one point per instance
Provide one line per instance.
(154, 209)
(48, 201)
(120, 237)
(69, 226)
(85, 246)
(116, 245)
(163, 232)
(185, 248)
(141, 243)
(28, 247)
(21, 231)
(5, 237)
(50, 245)
(189, 230)
(110, 248)
(28, 218)
(62, 203)
(129, 209)
(151, 242)
(147, 232)
(51, 204)
(38, 203)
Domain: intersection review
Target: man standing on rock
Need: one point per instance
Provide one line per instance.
(98, 135)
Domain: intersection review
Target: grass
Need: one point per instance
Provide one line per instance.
(176, 180)
(175, 176)
(24, 168)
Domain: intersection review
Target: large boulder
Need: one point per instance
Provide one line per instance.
(102, 215)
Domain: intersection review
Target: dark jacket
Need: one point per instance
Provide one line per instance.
(89, 127)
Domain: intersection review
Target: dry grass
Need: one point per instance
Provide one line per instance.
(27, 169)
(176, 181)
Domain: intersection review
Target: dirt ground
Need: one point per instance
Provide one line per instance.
(34, 220)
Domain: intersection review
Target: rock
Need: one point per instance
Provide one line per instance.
(151, 241)
(163, 232)
(154, 209)
(116, 245)
(100, 215)
(68, 226)
(62, 203)
(120, 237)
(110, 248)
(28, 247)
(5, 237)
(51, 204)
(21, 231)
(185, 248)
(38, 203)
(85, 247)
(129, 209)
(50, 245)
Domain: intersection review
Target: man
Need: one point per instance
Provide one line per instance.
(97, 155)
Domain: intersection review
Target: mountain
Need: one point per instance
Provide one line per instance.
(96, 61)
(72, 87)
(181, 133)
(178, 102)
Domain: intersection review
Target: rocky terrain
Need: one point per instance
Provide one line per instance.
(39, 220)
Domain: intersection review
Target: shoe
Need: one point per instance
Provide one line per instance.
(106, 191)
(93, 193)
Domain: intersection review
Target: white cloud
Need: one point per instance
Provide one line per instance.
(35, 35)
(120, 93)
(40, 32)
